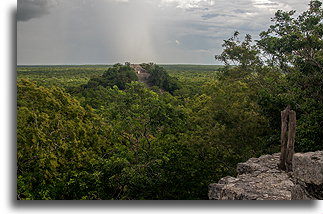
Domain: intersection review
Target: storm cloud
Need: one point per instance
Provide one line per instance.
(29, 9)
(161, 31)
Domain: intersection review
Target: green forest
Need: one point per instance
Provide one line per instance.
(94, 132)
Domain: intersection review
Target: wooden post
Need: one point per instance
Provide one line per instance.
(283, 138)
(287, 138)
(291, 140)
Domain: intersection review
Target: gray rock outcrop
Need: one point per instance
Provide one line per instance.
(260, 179)
(307, 176)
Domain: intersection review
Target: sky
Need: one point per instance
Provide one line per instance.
(53, 32)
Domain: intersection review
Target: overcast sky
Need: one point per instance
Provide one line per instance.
(160, 31)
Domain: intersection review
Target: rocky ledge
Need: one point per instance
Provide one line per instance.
(260, 179)
(307, 176)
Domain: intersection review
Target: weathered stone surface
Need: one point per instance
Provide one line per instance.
(308, 167)
(265, 163)
(258, 179)
(298, 192)
(307, 176)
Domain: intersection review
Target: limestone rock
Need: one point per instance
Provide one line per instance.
(258, 179)
(299, 192)
(308, 167)
(308, 176)
(265, 163)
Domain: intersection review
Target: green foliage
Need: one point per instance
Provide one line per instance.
(56, 139)
(295, 45)
(241, 53)
(142, 149)
(112, 137)
(225, 113)
(118, 75)
(296, 41)
(66, 76)
(134, 144)
(289, 71)
(191, 78)
(159, 77)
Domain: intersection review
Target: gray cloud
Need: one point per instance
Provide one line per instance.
(162, 31)
(29, 9)
(241, 11)
(196, 9)
(213, 15)
(268, 4)
(197, 42)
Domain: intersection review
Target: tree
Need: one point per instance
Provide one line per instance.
(295, 41)
(295, 44)
(160, 78)
(285, 68)
(58, 141)
(240, 53)
(118, 75)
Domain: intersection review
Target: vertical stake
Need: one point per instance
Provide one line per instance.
(291, 140)
(283, 138)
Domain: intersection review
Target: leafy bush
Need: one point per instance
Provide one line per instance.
(159, 77)
(118, 75)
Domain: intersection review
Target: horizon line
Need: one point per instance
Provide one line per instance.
(83, 64)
